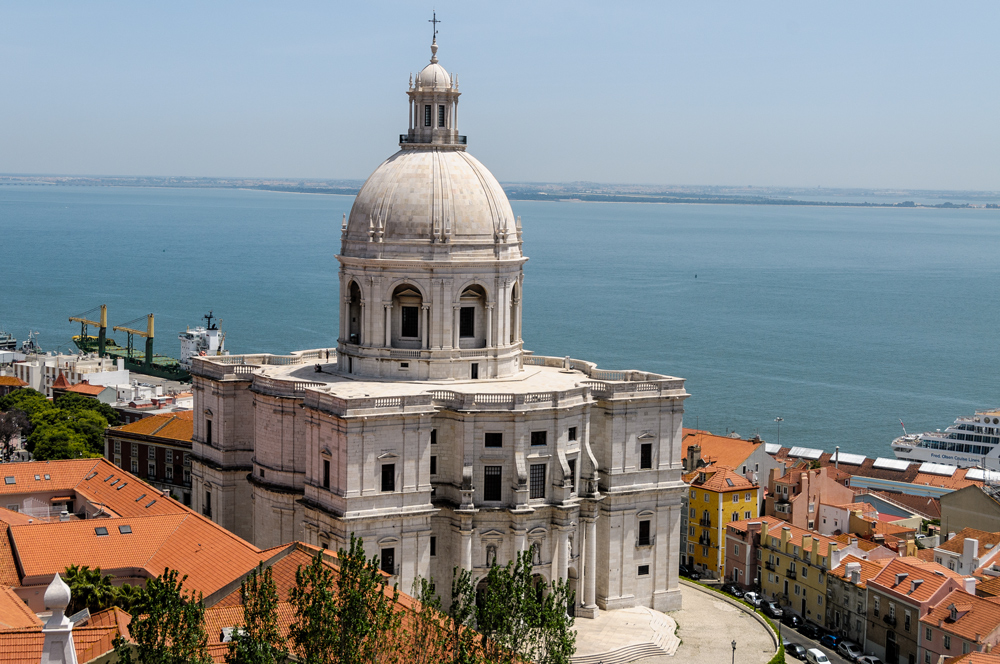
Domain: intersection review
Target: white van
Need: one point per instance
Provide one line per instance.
(816, 656)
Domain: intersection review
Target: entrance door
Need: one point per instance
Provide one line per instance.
(803, 608)
(891, 648)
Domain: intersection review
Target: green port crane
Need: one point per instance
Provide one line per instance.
(102, 326)
(148, 334)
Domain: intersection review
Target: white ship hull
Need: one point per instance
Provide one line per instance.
(969, 442)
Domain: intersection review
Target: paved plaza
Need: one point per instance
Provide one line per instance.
(700, 633)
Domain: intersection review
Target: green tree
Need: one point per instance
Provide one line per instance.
(57, 441)
(463, 618)
(428, 636)
(259, 641)
(73, 402)
(557, 638)
(90, 589)
(27, 400)
(314, 633)
(171, 627)
(129, 598)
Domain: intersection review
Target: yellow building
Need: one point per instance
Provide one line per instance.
(796, 563)
(717, 496)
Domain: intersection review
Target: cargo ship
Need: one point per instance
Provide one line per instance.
(198, 341)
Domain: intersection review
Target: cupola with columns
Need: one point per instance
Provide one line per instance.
(431, 264)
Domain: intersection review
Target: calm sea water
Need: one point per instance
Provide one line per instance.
(840, 321)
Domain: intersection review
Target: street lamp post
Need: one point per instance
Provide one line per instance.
(734, 651)
(779, 420)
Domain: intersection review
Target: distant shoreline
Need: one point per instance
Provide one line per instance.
(514, 192)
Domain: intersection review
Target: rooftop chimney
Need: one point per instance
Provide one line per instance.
(900, 578)
(854, 572)
(693, 457)
(970, 585)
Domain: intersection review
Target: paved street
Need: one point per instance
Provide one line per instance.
(792, 636)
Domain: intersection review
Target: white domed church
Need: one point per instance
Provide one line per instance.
(429, 430)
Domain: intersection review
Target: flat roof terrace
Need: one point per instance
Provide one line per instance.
(544, 382)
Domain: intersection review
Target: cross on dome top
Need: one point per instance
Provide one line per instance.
(434, 40)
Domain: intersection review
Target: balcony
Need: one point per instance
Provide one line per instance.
(706, 521)
(890, 620)
(783, 508)
(790, 574)
(705, 540)
(769, 566)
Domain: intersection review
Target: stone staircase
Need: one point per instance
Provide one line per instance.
(662, 641)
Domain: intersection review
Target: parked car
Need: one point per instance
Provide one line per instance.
(733, 590)
(753, 598)
(869, 659)
(791, 620)
(830, 640)
(850, 651)
(772, 609)
(796, 651)
(816, 656)
(810, 631)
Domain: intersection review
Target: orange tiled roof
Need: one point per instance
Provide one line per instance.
(987, 541)
(722, 450)
(975, 658)
(863, 544)
(210, 556)
(931, 575)
(21, 646)
(9, 576)
(990, 587)
(869, 569)
(86, 388)
(977, 616)
(798, 535)
(14, 613)
(12, 381)
(175, 426)
(886, 528)
(719, 479)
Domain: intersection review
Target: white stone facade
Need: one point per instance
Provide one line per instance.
(428, 430)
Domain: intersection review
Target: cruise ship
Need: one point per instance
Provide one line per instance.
(970, 441)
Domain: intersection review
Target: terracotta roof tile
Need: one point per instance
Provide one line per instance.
(189, 543)
(9, 575)
(14, 613)
(60, 382)
(86, 389)
(976, 616)
(799, 535)
(12, 381)
(990, 587)
(925, 506)
(719, 479)
(722, 450)
(25, 646)
(987, 541)
(931, 575)
(869, 569)
(174, 426)
(975, 658)
(863, 544)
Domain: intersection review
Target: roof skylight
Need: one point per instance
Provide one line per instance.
(9, 480)
(100, 531)
(125, 530)
(151, 503)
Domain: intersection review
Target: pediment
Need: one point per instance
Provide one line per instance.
(537, 532)
(387, 455)
(646, 435)
(492, 533)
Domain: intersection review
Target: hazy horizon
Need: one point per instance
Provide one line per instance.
(892, 96)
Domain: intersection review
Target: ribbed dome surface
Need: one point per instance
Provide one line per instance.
(434, 77)
(422, 196)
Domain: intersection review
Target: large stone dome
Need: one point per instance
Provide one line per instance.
(420, 197)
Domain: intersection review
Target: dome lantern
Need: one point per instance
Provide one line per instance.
(433, 118)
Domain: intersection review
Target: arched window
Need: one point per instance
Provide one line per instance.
(406, 322)
(515, 302)
(472, 318)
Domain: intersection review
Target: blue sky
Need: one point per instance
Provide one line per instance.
(887, 94)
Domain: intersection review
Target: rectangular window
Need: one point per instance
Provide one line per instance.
(735, 516)
(572, 474)
(494, 440)
(538, 437)
(208, 432)
(118, 462)
(746, 515)
(206, 509)
(572, 433)
(643, 570)
(434, 545)
(644, 533)
(691, 531)
(427, 115)
(467, 322)
(947, 642)
(326, 473)
(748, 498)
(440, 115)
(537, 478)
(388, 563)
(434, 465)
(388, 477)
(410, 324)
(151, 453)
(135, 449)
(736, 497)
(135, 466)
(474, 371)
(876, 607)
(118, 447)
(646, 455)
(694, 513)
(434, 436)
(704, 551)
(152, 471)
(736, 549)
(187, 459)
(492, 486)
(169, 456)
(929, 634)
(805, 572)
(187, 477)
(906, 620)
(168, 473)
